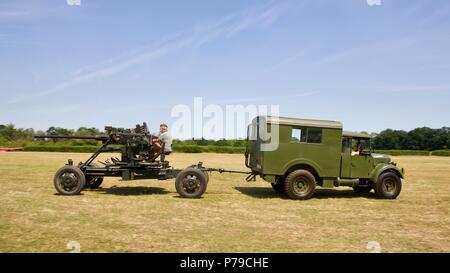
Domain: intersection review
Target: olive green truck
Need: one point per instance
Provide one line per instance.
(313, 153)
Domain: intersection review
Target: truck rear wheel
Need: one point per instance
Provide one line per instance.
(388, 186)
(191, 183)
(279, 184)
(300, 185)
(69, 180)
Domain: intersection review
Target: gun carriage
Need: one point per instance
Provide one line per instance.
(136, 162)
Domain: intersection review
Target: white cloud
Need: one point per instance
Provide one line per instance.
(73, 2)
(226, 27)
(268, 98)
(373, 2)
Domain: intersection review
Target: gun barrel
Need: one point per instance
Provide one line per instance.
(102, 138)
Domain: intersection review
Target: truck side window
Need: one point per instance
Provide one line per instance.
(296, 134)
(306, 135)
(346, 145)
(314, 135)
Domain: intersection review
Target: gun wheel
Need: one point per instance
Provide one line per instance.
(69, 180)
(191, 183)
(204, 172)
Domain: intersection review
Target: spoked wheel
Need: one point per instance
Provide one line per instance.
(300, 184)
(191, 183)
(204, 172)
(388, 186)
(69, 180)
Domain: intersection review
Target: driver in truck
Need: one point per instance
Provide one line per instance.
(357, 149)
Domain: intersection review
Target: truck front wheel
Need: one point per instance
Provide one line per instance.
(388, 186)
(300, 185)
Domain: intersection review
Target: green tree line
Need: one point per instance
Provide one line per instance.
(422, 138)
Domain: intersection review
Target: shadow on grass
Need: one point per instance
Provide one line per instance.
(133, 190)
(65, 195)
(258, 192)
(329, 193)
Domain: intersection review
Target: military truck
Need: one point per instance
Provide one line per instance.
(313, 153)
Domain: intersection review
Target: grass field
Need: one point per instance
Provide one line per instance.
(233, 215)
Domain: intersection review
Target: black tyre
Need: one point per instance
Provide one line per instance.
(278, 185)
(69, 180)
(388, 186)
(93, 182)
(205, 172)
(362, 189)
(191, 183)
(300, 185)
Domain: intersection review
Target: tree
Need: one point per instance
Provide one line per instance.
(448, 137)
(88, 131)
(202, 142)
(59, 131)
(420, 138)
(54, 131)
(390, 140)
(9, 133)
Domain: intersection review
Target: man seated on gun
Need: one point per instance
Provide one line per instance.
(163, 137)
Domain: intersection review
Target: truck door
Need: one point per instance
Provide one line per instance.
(253, 154)
(361, 164)
(346, 157)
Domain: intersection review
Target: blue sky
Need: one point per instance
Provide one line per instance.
(116, 62)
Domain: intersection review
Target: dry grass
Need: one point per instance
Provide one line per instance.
(233, 215)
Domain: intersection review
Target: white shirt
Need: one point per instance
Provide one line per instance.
(167, 139)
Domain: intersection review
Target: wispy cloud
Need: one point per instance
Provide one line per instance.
(342, 55)
(273, 99)
(416, 88)
(12, 14)
(21, 43)
(440, 13)
(291, 59)
(224, 28)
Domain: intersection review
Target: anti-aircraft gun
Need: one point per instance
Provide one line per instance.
(137, 162)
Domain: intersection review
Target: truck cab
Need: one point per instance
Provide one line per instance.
(312, 153)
